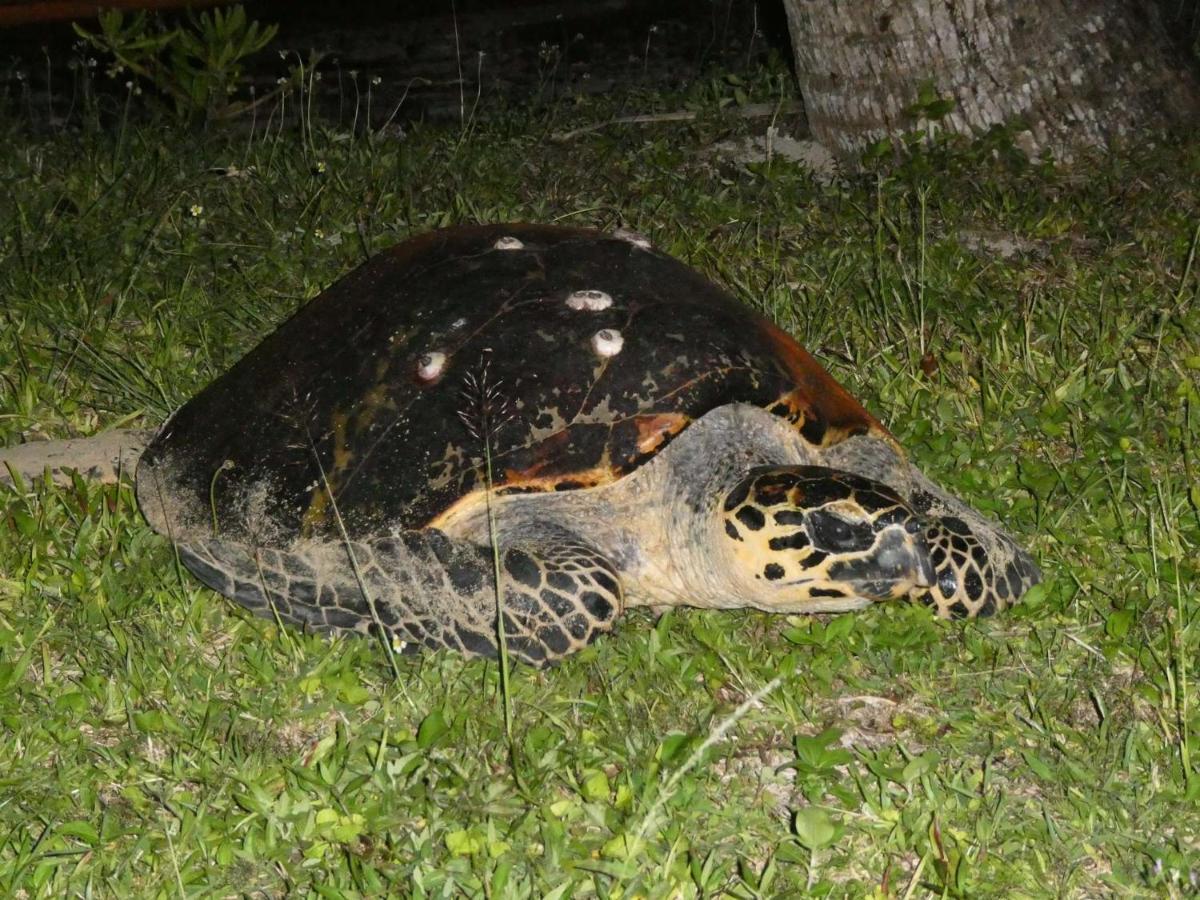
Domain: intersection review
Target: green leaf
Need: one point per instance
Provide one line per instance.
(150, 721)
(1040, 767)
(927, 94)
(620, 847)
(838, 628)
(920, 765)
(939, 108)
(72, 701)
(433, 727)
(814, 751)
(325, 817)
(878, 150)
(595, 787)
(1117, 624)
(348, 828)
(26, 525)
(672, 745)
(814, 828)
(84, 831)
(464, 843)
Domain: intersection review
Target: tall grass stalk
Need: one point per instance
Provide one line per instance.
(1177, 667)
(354, 567)
(714, 736)
(501, 637)
(484, 413)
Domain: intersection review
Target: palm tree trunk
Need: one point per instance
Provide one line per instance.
(1072, 72)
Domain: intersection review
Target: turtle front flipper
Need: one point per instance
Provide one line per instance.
(422, 588)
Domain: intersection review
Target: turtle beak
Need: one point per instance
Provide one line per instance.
(907, 555)
(899, 566)
(925, 576)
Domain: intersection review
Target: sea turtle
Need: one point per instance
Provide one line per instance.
(597, 421)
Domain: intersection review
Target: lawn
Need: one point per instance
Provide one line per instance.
(1030, 333)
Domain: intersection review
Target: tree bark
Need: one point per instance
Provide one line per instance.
(1072, 72)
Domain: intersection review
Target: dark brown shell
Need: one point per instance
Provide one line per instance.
(349, 381)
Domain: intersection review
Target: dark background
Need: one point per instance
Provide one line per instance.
(429, 53)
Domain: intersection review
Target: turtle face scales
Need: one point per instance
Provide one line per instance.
(812, 538)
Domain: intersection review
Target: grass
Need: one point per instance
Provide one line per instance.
(159, 742)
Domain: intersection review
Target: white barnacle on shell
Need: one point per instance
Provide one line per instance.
(607, 342)
(638, 240)
(592, 301)
(430, 365)
(508, 242)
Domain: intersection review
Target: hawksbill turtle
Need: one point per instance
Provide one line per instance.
(586, 417)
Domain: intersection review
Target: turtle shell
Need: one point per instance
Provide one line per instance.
(564, 358)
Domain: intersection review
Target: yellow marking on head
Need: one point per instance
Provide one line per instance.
(797, 542)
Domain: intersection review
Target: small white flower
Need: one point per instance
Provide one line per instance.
(376, 80)
(321, 167)
(196, 210)
(281, 80)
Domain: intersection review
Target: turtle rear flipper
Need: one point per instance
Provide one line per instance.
(103, 457)
(423, 588)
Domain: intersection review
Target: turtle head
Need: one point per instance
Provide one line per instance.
(809, 538)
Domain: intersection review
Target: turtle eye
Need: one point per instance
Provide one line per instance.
(833, 533)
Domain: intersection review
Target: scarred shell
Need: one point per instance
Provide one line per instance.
(380, 392)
